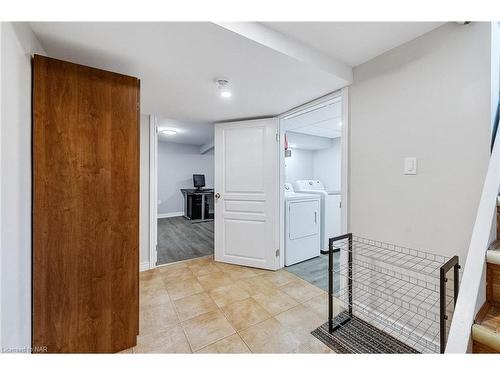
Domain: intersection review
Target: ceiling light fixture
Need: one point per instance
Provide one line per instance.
(169, 132)
(223, 87)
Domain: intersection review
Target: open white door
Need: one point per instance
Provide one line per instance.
(246, 193)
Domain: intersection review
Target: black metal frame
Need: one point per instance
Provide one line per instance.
(337, 322)
(495, 127)
(443, 317)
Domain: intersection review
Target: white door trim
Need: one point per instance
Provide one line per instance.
(345, 172)
(342, 94)
(1, 320)
(153, 193)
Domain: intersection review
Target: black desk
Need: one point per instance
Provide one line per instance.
(192, 199)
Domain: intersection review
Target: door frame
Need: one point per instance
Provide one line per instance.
(153, 191)
(344, 190)
(343, 94)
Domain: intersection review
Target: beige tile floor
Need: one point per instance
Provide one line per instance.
(202, 306)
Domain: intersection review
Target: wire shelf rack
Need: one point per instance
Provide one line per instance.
(404, 292)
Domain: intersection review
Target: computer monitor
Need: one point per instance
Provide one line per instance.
(199, 180)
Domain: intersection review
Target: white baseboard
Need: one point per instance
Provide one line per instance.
(144, 266)
(170, 214)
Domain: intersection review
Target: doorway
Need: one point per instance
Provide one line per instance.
(339, 100)
(184, 158)
(314, 202)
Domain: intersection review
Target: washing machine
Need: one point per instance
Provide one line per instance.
(330, 208)
(302, 226)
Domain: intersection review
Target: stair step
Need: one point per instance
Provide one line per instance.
(495, 245)
(493, 280)
(488, 340)
(493, 254)
(486, 330)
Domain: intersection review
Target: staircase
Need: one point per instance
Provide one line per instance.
(486, 328)
(485, 333)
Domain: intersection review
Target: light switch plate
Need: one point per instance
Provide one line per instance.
(410, 166)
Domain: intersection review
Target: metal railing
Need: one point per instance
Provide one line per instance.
(443, 279)
(495, 127)
(402, 292)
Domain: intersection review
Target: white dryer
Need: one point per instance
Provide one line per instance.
(330, 208)
(302, 226)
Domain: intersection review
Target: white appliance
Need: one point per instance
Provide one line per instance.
(330, 208)
(302, 226)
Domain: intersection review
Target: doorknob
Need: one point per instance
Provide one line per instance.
(217, 196)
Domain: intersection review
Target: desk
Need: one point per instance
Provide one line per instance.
(193, 198)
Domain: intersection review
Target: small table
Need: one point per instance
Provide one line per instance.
(193, 194)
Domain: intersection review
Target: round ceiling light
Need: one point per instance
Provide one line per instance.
(223, 86)
(169, 132)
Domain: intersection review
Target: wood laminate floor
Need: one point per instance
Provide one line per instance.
(182, 239)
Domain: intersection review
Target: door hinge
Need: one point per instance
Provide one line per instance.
(277, 252)
(277, 137)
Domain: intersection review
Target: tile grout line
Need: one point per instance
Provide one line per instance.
(244, 342)
(225, 317)
(222, 338)
(180, 323)
(221, 310)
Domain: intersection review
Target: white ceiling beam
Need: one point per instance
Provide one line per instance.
(206, 147)
(279, 42)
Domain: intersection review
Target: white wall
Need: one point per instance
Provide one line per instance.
(323, 165)
(144, 193)
(299, 166)
(176, 165)
(306, 141)
(495, 68)
(1, 28)
(327, 165)
(429, 98)
(18, 43)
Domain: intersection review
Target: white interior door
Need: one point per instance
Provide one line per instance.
(246, 193)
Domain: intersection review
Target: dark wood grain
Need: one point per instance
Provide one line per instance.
(498, 221)
(478, 348)
(483, 311)
(493, 283)
(85, 208)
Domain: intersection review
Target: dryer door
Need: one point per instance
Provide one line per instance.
(303, 218)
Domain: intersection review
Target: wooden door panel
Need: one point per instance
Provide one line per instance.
(85, 208)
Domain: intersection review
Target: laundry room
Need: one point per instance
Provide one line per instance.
(312, 182)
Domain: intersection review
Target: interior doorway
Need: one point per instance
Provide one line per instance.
(328, 112)
(314, 185)
(184, 158)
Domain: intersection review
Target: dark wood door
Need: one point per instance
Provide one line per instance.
(85, 208)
